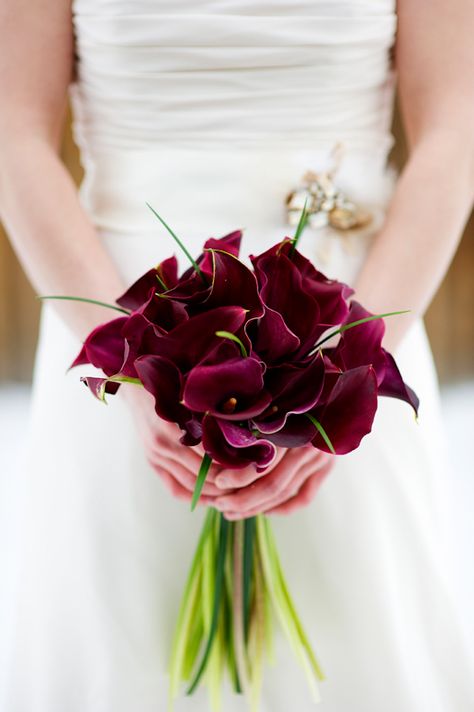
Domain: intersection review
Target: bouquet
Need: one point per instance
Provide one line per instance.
(244, 360)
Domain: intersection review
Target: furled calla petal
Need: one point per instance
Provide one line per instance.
(330, 295)
(394, 386)
(146, 285)
(104, 347)
(164, 312)
(233, 283)
(297, 431)
(272, 339)
(193, 340)
(294, 389)
(349, 412)
(361, 345)
(233, 446)
(163, 380)
(229, 243)
(282, 291)
(232, 390)
(100, 386)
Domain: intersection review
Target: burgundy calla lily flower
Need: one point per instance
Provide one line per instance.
(228, 354)
(362, 345)
(231, 445)
(232, 390)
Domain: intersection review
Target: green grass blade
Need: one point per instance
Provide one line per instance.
(179, 243)
(233, 337)
(206, 463)
(345, 327)
(300, 227)
(86, 301)
(321, 431)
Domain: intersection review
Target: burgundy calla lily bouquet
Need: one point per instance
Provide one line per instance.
(244, 360)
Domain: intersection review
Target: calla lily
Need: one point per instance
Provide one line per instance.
(232, 390)
(362, 345)
(229, 354)
(281, 290)
(140, 292)
(163, 380)
(231, 445)
(294, 389)
(349, 411)
(104, 347)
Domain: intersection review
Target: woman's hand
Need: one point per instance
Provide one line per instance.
(176, 464)
(289, 484)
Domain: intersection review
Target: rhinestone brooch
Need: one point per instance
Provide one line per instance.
(327, 206)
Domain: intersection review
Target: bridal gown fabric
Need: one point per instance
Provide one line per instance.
(212, 111)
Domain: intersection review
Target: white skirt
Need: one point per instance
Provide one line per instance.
(100, 550)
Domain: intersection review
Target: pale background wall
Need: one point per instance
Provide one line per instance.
(450, 319)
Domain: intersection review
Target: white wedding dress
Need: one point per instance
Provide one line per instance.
(212, 111)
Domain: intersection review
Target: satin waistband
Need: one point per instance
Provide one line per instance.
(218, 190)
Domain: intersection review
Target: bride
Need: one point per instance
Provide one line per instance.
(212, 112)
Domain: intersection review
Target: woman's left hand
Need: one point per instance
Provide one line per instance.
(289, 485)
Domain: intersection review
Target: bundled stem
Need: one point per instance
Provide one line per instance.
(235, 588)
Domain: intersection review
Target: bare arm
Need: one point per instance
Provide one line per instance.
(39, 207)
(433, 197)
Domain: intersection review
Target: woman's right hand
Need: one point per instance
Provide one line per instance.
(176, 464)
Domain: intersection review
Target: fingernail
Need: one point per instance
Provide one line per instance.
(221, 482)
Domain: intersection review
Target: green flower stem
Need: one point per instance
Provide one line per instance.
(178, 660)
(238, 608)
(220, 566)
(280, 602)
(207, 600)
(229, 602)
(248, 557)
(291, 607)
(257, 634)
(86, 301)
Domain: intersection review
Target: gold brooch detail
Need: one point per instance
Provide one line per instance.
(326, 204)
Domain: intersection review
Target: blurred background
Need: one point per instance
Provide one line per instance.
(450, 325)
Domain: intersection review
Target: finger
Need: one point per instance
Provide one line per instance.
(300, 476)
(185, 477)
(254, 496)
(182, 453)
(177, 490)
(304, 493)
(229, 478)
(304, 497)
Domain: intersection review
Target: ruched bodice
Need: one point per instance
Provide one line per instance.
(220, 106)
(274, 72)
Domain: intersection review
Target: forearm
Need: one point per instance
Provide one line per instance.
(52, 235)
(424, 224)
